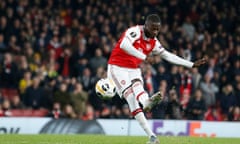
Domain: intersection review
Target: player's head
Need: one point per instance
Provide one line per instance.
(152, 25)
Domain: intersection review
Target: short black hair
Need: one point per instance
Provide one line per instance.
(153, 18)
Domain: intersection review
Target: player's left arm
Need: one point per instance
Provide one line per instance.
(172, 58)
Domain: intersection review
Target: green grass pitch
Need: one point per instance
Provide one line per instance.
(102, 139)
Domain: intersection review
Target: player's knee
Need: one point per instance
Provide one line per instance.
(137, 80)
(137, 83)
(128, 91)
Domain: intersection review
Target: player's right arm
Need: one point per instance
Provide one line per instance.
(130, 36)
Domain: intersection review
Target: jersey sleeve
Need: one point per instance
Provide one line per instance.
(158, 48)
(133, 34)
(172, 58)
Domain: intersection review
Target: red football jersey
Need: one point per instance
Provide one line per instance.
(139, 41)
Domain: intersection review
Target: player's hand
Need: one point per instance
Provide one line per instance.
(200, 62)
(150, 59)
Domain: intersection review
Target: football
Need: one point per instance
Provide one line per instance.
(105, 88)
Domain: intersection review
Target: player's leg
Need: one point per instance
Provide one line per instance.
(138, 114)
(124, 87)
(136, 111)
(141, 95)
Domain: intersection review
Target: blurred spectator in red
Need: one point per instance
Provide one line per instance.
(184, 99)
(89, 114)
(148, 78)
(55, 45)
(186, 80)
(64, 62)
(213, 114)
(56, 111)
(1, 111)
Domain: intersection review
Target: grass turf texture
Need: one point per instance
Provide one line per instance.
(102, 139)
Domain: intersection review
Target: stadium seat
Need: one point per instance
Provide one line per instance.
(8, 93)
(28, 113)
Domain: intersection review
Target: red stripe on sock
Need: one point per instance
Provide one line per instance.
(135, 112)
(137, 97)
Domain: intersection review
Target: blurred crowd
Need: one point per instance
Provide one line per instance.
(52, 52)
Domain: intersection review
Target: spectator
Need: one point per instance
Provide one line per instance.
(148, 78)
(8, 72)
(228, 99)
(237, 93)
(56, 111)
(116, 112)
(64, 62)
(234, 114)
(86, 79)
(126, 114)
(189, 29)
(209, 90)
(213, 114)
(6, 107)
(1, 111)
(196, 106)
(25, 82)
(89, 114)
(55, 45)
(80, 59)
(97, 61)
(62, 96)
(159, 111)
(16, 103)
(79, 99)
(186, 80)
(161, 75)
(175, 79)
(33, 97)
(49, 89)
(23, 66)
(173, 110)
(3, 46)
(196, 78)
(68, 112)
